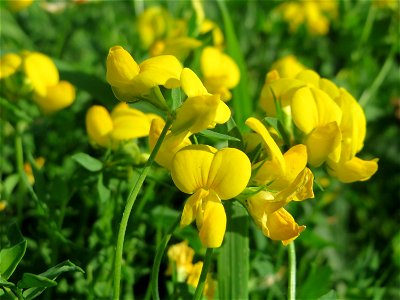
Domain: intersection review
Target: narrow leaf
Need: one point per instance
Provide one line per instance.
(30, 280)
(217, 135)
(89, 163)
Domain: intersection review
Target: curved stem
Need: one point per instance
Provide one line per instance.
(157, 260)
(203, 275)
(292, 272)
(128, 208)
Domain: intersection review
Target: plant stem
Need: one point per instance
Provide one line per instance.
(128, 208)
(292, 272)
(157, 260)
(203, 275)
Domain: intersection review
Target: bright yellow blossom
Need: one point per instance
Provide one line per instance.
(217, 35)
(194, 277)
(180, 47)
(201, 110)
(131, 81)
(210, 175)
(9, 64)
(124, 123)
(181, 255)
(220, 72)
(288, 66)
(50, 93)
(286, 179)
(152, 25)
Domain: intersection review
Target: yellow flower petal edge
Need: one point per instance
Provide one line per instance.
(121, 67)
(99, 125)
(9, 64)
(353, 170)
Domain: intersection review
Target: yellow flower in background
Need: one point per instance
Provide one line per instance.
(179, 47)
(124, 123)
(131, 81)
(286, 178)
(50, 93)
(152, 25)
(288, 66)
(9, 64)
(313, 14)
(39, 162)
(194, 277)
(171, 144)
(200, 110)
(181, 256)
(220, 72)
(211, 176)
(18, 5)
(217, 35)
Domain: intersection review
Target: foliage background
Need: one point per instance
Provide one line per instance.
(351, 248)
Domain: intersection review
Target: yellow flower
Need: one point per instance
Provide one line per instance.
(288, 66)
(210, 175)
(50, 93)
(217, 35)
(152, 25)
(201, 110)
(9, 64)
(286, 178)
(131, 81)
(124, 123)
(172, 143)
(220, 72)
(194, 277)
(353, 129)
(18, 5)
(179, 47)
(181, 255)
(28, 169)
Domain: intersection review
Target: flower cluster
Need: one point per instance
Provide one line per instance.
(40, 77)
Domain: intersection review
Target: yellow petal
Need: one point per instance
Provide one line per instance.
(213, 228)
(41, 71)
(223, 113)
(310, 77)
(179, 47)
(269, 143)
(229, 173)
(9, 64)
(329, 87)
(161, 70)
(191, 166)
(99, 125)
(191, 84)
(353, 170)
(121, 67)
(281, 226)
(193, 207)
(323, 142)
(196, 114)
(57, 97)
(288, 66)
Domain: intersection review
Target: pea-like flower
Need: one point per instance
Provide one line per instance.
(286, 179)
(211, 176)
(50, 93)
(288, 66)
(130, 81)
(124, 123)
(9, 64)
(220, 72)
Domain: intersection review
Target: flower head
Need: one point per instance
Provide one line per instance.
(9, 64)
(210, 175)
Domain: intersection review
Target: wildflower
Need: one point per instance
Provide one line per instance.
(286, 179)
(309, 13)
(18, 5)
(39, 162)
(217, 35)
(124, 123)
(194, 277)
(220, 72)
(50, 93)
(180, 47)
(288, 66)
(201, 110)
(181, 255)
(131, 81)
(9, 64)
(210, 175)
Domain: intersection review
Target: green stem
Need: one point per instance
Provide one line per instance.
(292, 272)
(203, 275)
(15, 110)
(157, 260)
(128, 208)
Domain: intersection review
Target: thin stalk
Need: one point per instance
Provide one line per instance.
(128, 208)
(203, 275)
(157, 260)
(292, 272)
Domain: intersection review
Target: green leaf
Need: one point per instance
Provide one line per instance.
(331, 295)
(11, 256)
(30, 280)
(89, 163)
(5, 283)
(217, 135)
(52, 274)
(317, 282)
(233, 259)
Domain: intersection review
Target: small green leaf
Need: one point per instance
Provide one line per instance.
(52, 274)
(30, 280)
(217, 135)
(5, 283)
(331, 295)
(89, 163)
